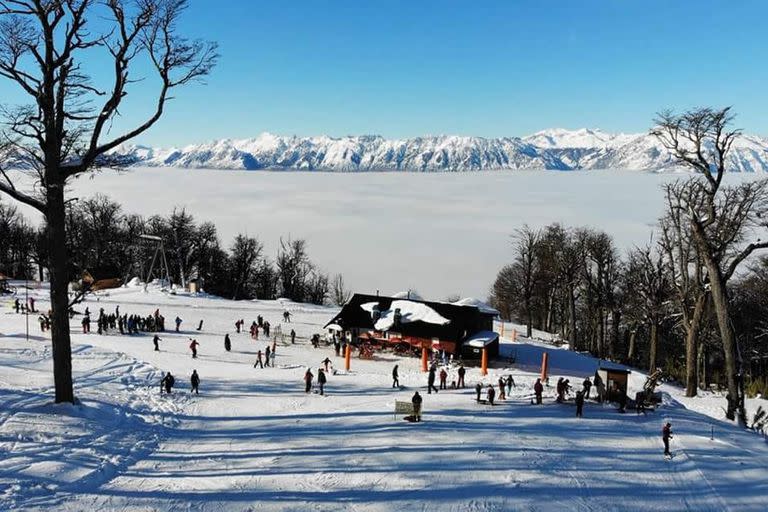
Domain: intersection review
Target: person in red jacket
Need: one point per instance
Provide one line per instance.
(538, 389)
(666, 435)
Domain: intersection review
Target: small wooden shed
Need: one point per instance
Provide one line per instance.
(615, 379)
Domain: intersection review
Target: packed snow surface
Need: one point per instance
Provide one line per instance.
(409, 312)
(253, 440)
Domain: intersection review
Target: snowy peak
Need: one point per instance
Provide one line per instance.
(553, 149)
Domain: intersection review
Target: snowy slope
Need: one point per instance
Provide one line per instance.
(555, 149)
(253, 440)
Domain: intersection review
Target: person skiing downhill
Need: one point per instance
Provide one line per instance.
(195, 381)
(666, 435)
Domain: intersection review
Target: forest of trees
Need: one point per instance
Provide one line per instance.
(103, 239)
(693, 302)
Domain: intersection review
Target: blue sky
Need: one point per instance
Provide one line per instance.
(487, 68)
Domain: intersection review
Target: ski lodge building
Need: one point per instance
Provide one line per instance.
(460, 328)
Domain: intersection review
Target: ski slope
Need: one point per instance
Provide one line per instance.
(253, 440)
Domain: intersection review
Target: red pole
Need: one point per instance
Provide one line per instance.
(424, 359)
(484, 362)
(544, 366)
(347, 356)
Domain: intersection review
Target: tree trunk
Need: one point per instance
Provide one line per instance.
(529, 319)
(572, 316)
(59, 282)
(615, 322)
(704, 372)
(728, 337)
(654, 341)
(632, 345)
(692, 346)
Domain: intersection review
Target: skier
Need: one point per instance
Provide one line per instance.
(579, 403)
(321, 380)
(666, 435)
(32, 305)
(443, 378)
(156, 341)
(416, 401)
(286, 316)
(195, 380)
(16, 305)
(431, 380)
(200, 326)
(587, 387)
(462, 372)
(510, 384)
(293, 337)
(491, 394)
(560, 390)
(167, 382)
(237, 326)
(266, 356)
(193, 348)
(538, 389)
(259, 361)
(227, 343)
(478, 390)
(502, 385)
(178, 323)
(308, 381)
(325, 362)
(272, 356)
(395, 378)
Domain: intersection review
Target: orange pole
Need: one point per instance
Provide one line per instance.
(544, 366)
(347, 356)
(502, 328)
(514, 334)
(484, 362)
(424, 359)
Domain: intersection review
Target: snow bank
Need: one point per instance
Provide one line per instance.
(409, 312)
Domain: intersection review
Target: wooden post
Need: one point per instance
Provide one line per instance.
(502, 328)
(484, 362)
(423, 359)
(347, 356)
(514, 334)
(544, 366)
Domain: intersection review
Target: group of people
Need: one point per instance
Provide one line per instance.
(24, 307)
(168, 381)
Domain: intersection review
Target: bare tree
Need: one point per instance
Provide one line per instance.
(723, 220)
(340, 292)
(526, 243)
(687, 274)
(64, 131)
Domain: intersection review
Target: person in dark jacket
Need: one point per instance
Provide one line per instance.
(195, 380)
(156, 340)
(178, 323)
(395, 378)
(416, 401)
(443, 379)
(167, 382)
(462, 371)
(259, 361)
(200, 326)
(478, 390)
(491, 394)
(587, 387)
(666, 435)
(579, 403)
(293, 337)
(308, 380)
(227, 343)
(321, 380)
(266, 355)
(538, 389)
(325, 362)
(431, 381)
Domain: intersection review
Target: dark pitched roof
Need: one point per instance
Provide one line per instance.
(461, 318)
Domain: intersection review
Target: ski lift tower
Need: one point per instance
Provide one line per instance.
(158, 258)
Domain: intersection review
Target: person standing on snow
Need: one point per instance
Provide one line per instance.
(666, 435)
(431, 380)
(227, 343)
(266, 356)
(193, 348)
(200, 326)
(195, 380)
(491, 394)
(462, 372)
(167, 382)
(579, 404)
(443, 378)
(587, 387)
(321, 380)
(178, 323)
(395, 378)
(538, 389)
(156, 340)
(259, 362)
(325, 362)
(502, 385)
(308, 381)
(293, 336)
(478, 390)
(510, 384)
(416, 401)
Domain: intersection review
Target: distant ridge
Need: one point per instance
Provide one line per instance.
(554, 149)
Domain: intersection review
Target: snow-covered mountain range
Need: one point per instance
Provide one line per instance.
(555, 149)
